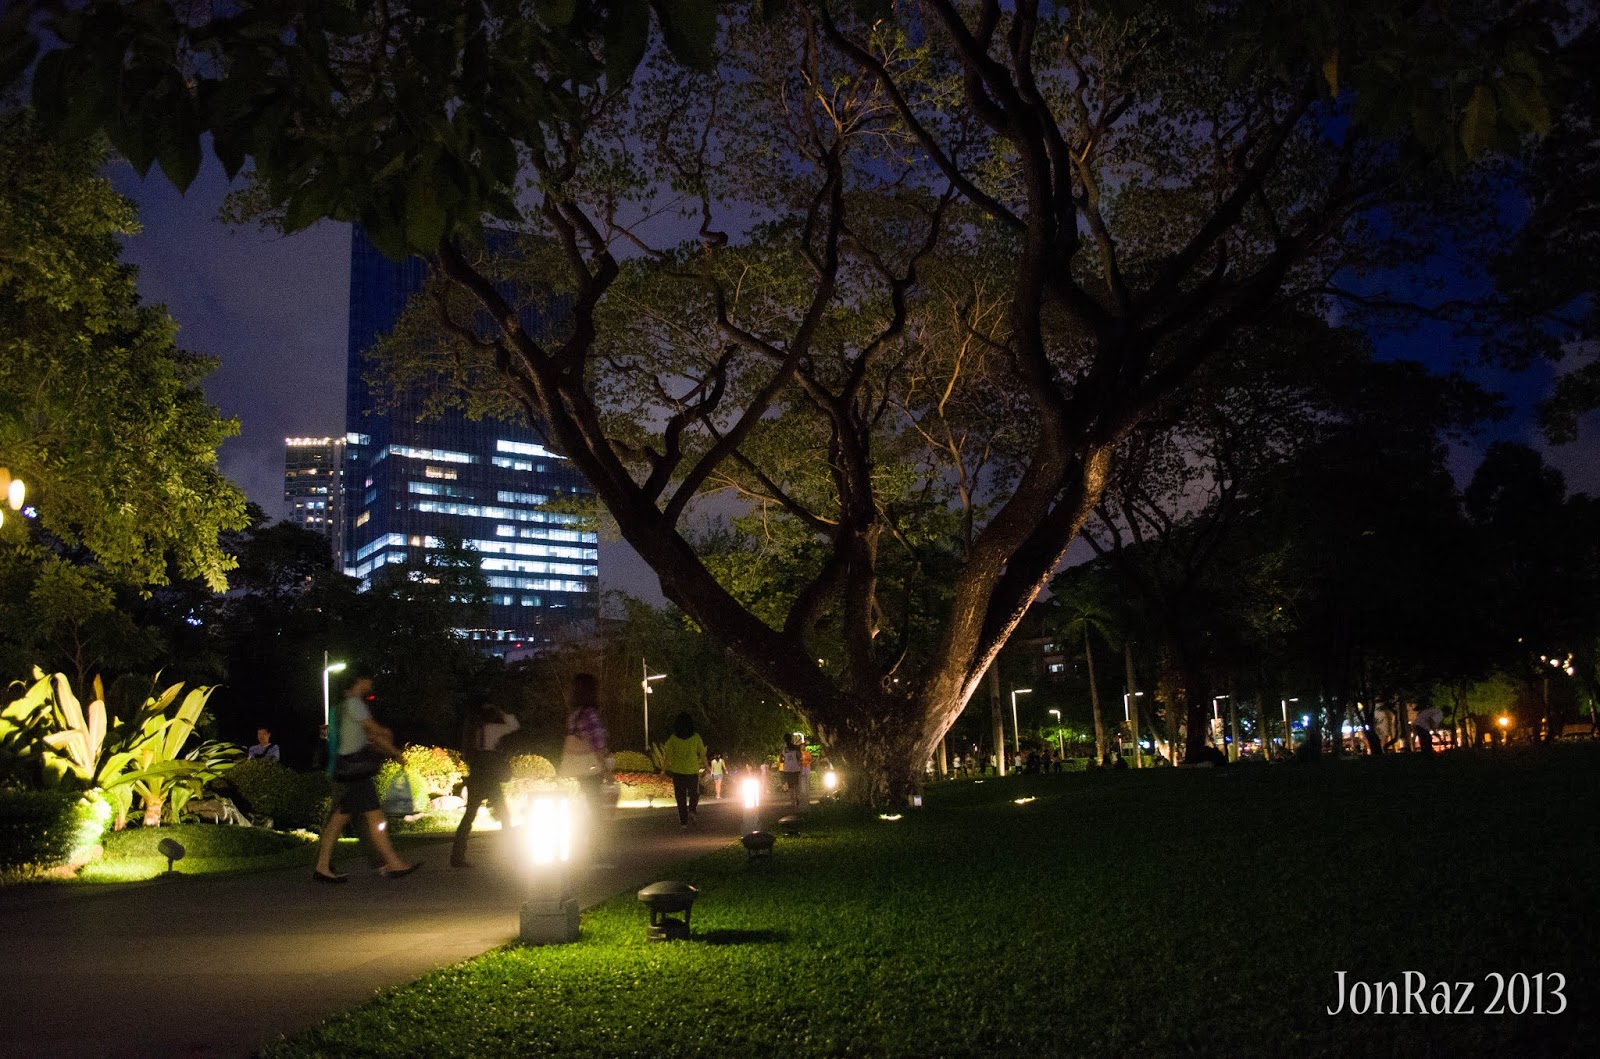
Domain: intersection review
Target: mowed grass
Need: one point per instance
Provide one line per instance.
(1164, 911)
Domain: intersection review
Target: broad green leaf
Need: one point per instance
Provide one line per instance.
(690, 27)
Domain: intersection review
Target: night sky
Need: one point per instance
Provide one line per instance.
(273, 310)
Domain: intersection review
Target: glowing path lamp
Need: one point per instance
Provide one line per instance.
(550, 914)
(750, 795)
(830, 781)
(327, 668)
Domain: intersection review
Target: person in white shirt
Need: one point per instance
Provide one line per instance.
(487, 771)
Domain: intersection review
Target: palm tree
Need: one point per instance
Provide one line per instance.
(1084, 618)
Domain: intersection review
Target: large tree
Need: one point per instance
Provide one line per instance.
(101, 414)
(1094, 200)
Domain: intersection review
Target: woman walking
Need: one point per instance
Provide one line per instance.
(357, 746)
(685, 756)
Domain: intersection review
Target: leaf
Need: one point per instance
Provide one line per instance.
(555, 12)
(690, 27)
(627, 32)
(1330, 72)
(425, 215)
(1479, 121)
(1524, 105)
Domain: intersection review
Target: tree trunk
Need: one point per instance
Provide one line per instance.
(1094, 701)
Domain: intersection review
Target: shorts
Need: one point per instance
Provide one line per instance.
(791, 780)
(355, 797)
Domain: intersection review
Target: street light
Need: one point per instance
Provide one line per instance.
(1016, 735)
(1288, 733)
(550, 914)
(644, 669)
(335, 667)
(1127, 716)
(1061, 747)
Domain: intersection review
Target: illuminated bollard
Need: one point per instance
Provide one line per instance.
(550, 914)
(750, 793)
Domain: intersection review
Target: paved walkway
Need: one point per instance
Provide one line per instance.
(218, 966)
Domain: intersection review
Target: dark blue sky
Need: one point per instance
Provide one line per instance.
(273, 310)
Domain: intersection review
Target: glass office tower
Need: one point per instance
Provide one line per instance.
(409, 479)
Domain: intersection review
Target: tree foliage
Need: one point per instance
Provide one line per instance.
(933, 263)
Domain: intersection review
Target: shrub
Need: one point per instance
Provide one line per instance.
(290, 798)
(438, 768)
(632, 761)
(40, 830)
(532, 767)
(638, 786)
(202, 841)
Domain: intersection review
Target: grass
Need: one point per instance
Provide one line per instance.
(1162, 911)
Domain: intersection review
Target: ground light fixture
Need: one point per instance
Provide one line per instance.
(550, 914)
(750, 791)
(173, 850)
(758, 843)
(889, 817)
(663, 899)
(830, 781)
(1025, 801)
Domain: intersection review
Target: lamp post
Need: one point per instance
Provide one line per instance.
(550, 915)
(644, 669)
(1061, 747)
(1288, 733)
(1016, 734)
(1128, 716)
(327, 668)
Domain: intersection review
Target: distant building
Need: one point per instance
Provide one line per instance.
(312, 471)
(409, 479)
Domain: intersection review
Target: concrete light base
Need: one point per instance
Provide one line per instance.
(550, 922)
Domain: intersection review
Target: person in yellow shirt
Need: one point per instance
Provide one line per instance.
(685, 756)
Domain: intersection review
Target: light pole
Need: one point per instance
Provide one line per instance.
(1061, 747)
(1288, 733)
(644, 669)
(1127, 715)
(1016, 734)
(336, 667)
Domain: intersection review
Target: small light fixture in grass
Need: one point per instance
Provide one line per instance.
(663, 899)
(830, 781)
(789, 825)
(171, 849)
(889, 817)
(758, 843)
(1024, 801)
(550, 915)
(751, 790)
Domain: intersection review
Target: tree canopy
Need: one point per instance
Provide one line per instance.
(904, 276)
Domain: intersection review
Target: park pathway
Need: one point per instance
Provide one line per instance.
(219, 966)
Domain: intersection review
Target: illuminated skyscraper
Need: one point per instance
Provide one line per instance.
(312, 487)
(410, 479)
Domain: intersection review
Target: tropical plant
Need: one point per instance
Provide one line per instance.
(632, 761)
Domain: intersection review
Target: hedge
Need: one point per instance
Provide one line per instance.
(292, 799)
(40, 830)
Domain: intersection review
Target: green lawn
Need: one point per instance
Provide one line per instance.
(209, 849)
(1163, 911)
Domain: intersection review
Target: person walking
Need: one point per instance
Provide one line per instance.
(487, 771)
(790, 767)
(684, 757)
(719, 772)
(584, 757)
(357, 746)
